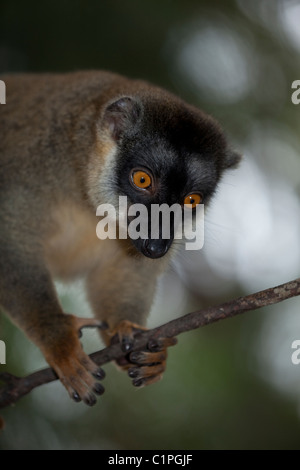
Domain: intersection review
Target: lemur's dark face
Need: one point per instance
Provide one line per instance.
(168, 152)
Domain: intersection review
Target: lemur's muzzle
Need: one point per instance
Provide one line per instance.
(156, 248)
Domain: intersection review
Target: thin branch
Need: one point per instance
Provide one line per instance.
(17, 387)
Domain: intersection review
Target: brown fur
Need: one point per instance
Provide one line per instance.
(52, 153)
(57, 156)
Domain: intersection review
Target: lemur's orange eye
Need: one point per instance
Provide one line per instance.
(193, 200)
(141, 179)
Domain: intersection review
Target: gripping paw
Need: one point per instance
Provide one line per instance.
(78, 373)
(149, 365)
(144, 367)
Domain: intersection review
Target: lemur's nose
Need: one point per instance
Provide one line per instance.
(155, 248)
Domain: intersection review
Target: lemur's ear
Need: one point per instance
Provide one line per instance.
(121, 116)
(232, 159)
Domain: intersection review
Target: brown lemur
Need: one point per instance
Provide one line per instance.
(68, 143)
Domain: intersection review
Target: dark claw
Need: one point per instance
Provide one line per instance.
(135, 357)
(137, 382)
(90, 400)
(76, 397)
(133, 373)
(127, 344)
(99, 374)
(154, 345)
(98, 389)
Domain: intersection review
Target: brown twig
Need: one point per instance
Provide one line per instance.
(16, 387)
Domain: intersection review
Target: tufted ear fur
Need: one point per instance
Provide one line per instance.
(232, 159)
(122, 116)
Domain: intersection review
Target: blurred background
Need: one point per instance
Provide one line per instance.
(231, 385)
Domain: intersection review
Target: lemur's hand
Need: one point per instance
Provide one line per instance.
(147, 366)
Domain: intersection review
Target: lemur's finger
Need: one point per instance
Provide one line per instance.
(146, 381)
(125, 331)
(146, 371)
(144, 357)
(127, 343)
(99, 374)
(161, 343)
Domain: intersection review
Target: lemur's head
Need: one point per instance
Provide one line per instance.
(161, 150)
